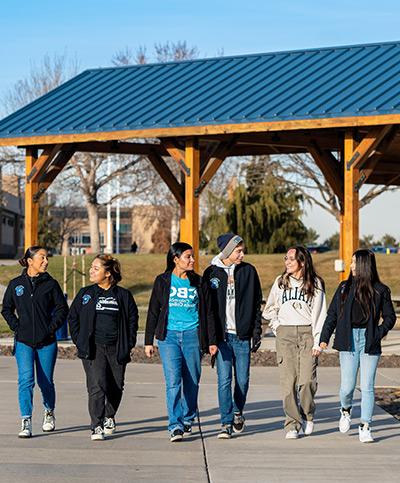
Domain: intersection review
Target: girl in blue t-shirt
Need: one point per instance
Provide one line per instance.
(177, 317)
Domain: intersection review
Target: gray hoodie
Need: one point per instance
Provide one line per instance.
(230, 325)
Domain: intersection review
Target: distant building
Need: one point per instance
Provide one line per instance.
(11, 218)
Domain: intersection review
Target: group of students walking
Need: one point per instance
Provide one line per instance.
(189, 315)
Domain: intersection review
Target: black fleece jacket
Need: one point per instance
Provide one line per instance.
(381, 306)
(82, 319)
(248, 299)
(35, 312)
(157, 315)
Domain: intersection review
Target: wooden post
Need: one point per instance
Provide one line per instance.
(190, 219)
(351, 205)
(31, 207)
(73, 276)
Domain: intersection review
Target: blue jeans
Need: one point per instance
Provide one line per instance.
(44, 359)
(350, 362)
(232, 352)
(180, 356)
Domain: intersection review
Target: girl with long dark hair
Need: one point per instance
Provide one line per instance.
(103, 322)
(296, 307)
(177, 317)
(355, 311)
(34, 307)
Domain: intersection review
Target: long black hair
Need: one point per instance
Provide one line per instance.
(176, 250)
(308, 273)
(30, 253)
(363, 282)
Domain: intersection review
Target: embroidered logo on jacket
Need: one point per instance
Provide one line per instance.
(214, 282)
(85, 299)
(19, 290)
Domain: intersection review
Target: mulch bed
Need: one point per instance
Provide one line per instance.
(388, 398)
(260, 358)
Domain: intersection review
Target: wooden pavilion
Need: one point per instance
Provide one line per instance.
(340, 104)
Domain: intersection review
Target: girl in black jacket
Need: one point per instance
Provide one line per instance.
(355, 311)
(177, 317)
(103, 323)
(34, 307)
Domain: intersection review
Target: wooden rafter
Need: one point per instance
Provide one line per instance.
(370, 164)
(45, 159)
(329, 167)
(367, 146)
(214, 164)
(177, 155)
(116, 147)
(167, 176)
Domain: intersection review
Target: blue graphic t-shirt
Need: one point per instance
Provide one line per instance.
(183, 311)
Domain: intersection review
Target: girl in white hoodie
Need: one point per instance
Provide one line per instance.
(296, 308)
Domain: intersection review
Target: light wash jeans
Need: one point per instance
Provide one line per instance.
(181, 361)
(350, 362)
(44, 360)
(233, 353)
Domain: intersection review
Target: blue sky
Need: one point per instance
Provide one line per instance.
(94, 30)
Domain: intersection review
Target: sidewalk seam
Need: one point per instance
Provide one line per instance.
(204, 448)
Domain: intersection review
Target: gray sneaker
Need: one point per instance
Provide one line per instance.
(49, 421)
(26, 428)
(109, 426)
(238, 423)
(226, 432)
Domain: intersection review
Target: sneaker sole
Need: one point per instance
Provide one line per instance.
(109, 431)
(96, 439)
(23, 436)
(235, 430)
(224, 436)
(176, 439)
(48, 430)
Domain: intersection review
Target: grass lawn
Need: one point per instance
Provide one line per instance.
(139, 271)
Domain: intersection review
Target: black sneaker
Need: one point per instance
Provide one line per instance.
(109, 426)
(226, 432)
(176, 435)
(238, 422)
(187, 428)
(97, 434)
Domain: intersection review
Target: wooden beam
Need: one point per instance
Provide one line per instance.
(190, 220)
(177, 155)
(162, 132)
(370, 164)
(31, 207)
(351, 204)
(116, 147)
(52, 172)
(167, 176)
(330, 168)
(367, 146)
(213, 166)
(47, 156)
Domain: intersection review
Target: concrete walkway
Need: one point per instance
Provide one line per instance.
(141, 451)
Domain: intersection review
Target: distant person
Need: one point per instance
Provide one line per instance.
(103, 323)
(235, 329)
(177, 317)
(34, 307)
(354, 313)
(296, 307)
(134, 247)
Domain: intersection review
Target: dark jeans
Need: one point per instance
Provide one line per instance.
(105, 383)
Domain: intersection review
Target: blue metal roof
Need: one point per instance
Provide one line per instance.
(351, 81)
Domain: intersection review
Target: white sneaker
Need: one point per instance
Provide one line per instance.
(345, 421)
(292, 434)
(26, 428)
(364, 433)
(97, 434)
(109, 426)
(49, 421)
(308, 427)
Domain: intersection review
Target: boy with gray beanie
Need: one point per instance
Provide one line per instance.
(235, 331)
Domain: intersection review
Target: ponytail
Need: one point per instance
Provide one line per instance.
(112, 266)
(30, 253)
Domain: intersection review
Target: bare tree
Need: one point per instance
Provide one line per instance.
(302, 172)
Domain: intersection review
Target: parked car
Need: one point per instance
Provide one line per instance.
(382, 249)
(317, 248)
